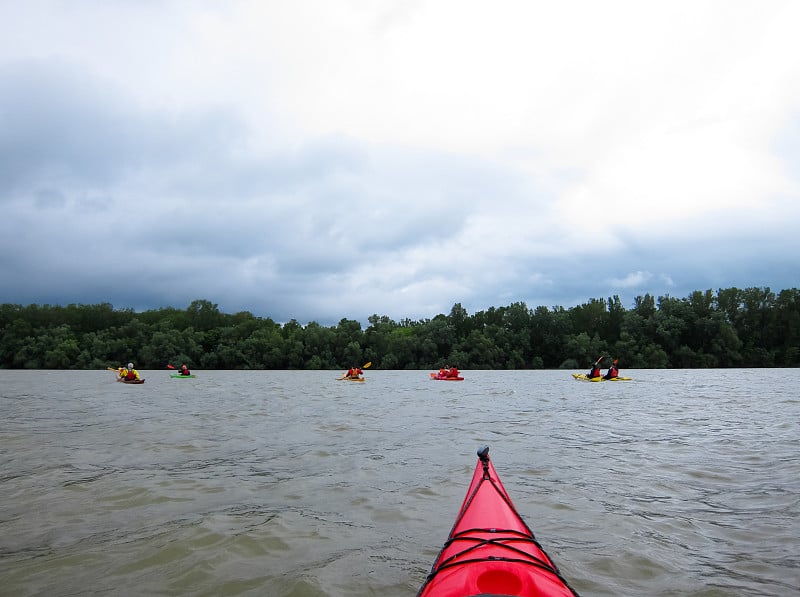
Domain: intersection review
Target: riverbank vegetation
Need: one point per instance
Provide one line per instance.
(752, 327)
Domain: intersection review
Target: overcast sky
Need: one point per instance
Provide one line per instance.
(323, 159)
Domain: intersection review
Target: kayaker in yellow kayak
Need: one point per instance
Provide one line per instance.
(613, 371)
(595, 372)
(353, 373)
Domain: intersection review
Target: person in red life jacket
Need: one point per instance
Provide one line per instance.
(595, 372)
(452, 372)
(613, 371)
(353, 373)
(129, 373)
(185, 370)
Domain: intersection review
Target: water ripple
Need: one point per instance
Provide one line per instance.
(291, 484)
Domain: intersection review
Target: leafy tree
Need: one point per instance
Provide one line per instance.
(203, 315)
(729, 328)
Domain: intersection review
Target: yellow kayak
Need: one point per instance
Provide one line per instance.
(584, 377)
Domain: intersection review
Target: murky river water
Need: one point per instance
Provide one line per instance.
(294, 484)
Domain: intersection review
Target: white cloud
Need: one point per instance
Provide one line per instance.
(632, 280)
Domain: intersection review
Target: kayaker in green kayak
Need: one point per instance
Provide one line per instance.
(184, 370)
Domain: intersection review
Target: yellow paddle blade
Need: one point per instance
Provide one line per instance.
(367, 366)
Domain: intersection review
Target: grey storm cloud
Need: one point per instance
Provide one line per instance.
(113, 199)
(340, 203)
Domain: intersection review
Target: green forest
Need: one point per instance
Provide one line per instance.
(752, 327)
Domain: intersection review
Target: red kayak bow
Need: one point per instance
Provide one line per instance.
(490, 550)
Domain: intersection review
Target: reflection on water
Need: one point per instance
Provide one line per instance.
(294, 484)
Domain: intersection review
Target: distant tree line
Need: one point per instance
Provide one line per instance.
(752, 327)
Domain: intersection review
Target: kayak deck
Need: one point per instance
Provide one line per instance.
(179, 376)
(490, 550)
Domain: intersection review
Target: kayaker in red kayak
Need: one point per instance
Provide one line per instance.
(447, 374)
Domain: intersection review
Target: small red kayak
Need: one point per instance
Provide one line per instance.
(490, 550)
(441, 377)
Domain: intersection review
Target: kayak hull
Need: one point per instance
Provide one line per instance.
(584, 377)
(438, 377)
(490, 550)
(132, 382)
(179, 376)
(355, 379)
